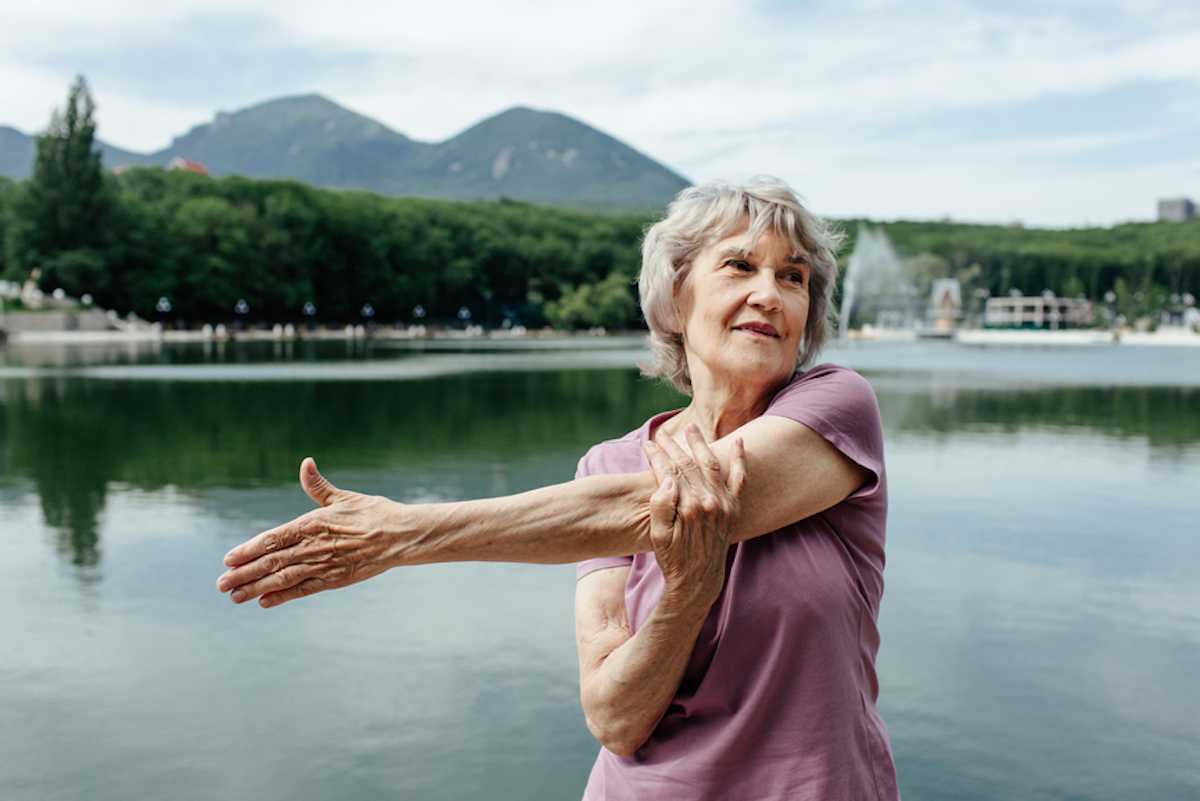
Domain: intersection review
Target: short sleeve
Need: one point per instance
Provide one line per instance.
(591, 565)
(840, 405)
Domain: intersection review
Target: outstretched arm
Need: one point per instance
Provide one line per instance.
(791, 473)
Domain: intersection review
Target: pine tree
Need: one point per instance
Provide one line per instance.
(65, 208)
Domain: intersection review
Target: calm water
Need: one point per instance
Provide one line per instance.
(1041, 622)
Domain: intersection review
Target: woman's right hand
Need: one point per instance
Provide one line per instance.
(689, 516)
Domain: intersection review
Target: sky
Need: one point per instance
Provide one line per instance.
(1049, 114)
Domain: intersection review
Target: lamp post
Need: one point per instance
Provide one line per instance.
(368, 314)
(163, 307)
(1050, 307)
(981, 297)
(241, 309)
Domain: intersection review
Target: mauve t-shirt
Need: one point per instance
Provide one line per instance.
(778, 698)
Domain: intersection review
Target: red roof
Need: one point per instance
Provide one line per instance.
(180, 163)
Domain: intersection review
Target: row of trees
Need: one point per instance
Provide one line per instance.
(1144, 265)
(205, 243)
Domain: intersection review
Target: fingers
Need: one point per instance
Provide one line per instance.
(737, 467)
(660, 463)
(709, 463)
(281, 580)
(306, 587)
(271, 563)
(275, 539)
(662, 505)
(683, 465)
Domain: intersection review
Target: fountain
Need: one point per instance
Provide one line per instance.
(875, 283)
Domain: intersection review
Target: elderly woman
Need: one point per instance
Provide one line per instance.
(730, 553)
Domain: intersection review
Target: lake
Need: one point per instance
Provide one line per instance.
(1040, 622)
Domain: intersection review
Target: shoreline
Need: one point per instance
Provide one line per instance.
(419, 335)
(290, 334)
(1072, 338)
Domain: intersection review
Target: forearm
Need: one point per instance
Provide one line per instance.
(607, 515)
(626, 695)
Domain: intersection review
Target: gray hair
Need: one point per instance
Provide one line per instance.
(702, 215)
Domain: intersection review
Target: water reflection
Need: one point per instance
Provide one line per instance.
(74, 437)
(1163, 416)
(1040, 637)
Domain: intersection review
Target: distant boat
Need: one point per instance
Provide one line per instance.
(936, 333)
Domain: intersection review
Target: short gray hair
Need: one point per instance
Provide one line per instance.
(702, 215)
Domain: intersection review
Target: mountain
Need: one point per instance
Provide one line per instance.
(522, 153)
(17, 151)
(307, 138)
(545, 157)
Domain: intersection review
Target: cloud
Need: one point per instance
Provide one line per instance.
(797, 89)
(207, 58)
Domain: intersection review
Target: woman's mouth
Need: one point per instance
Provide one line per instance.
(763, 330)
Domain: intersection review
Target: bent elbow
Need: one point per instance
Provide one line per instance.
(613, 735)
(618, 743)
(622, 749)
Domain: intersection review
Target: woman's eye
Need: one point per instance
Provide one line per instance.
(796, 278)
(739, 265)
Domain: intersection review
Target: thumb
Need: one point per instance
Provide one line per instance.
(662, 507)
(315, 484)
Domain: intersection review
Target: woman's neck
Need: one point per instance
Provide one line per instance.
(719, 409)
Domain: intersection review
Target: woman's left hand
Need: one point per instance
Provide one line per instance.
(691, 514)
(340, 543)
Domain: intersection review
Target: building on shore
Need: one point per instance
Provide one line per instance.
(1038, 312)
(945, 305)
(1176, 209)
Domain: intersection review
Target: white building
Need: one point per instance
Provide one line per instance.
(1043, 311)
(1176, 209)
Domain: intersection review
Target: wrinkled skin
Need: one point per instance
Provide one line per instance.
(334, 545)
(690, 514)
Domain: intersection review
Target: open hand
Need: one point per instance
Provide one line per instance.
(341, 542)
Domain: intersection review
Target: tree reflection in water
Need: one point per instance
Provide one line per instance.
(73, 436)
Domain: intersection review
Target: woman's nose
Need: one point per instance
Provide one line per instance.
(765, 292)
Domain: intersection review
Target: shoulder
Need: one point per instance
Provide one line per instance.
(619, 455)
(837, 403)
(828, 385)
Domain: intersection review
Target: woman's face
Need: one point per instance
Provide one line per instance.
(744, 311)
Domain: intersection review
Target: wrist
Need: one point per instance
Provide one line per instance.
(684, 604)
(409, 531)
